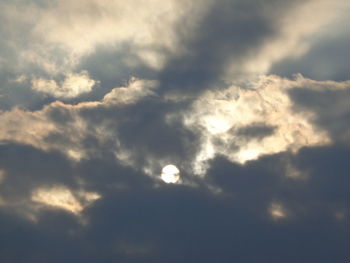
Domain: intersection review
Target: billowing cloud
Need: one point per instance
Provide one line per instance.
(66, 122)
(229, 120)
(242, 123)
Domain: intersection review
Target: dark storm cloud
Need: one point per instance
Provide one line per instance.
(177, 223)
(23, 241)
(27, 168)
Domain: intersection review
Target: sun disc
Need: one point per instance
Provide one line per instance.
(170, 174)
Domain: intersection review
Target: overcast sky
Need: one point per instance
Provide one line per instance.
(247, 100)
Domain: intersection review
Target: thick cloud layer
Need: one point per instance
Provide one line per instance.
(96, 97)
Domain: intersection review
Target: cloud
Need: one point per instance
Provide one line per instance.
(277, 211)
(137, 218)
(58, 120)
(144, 222)
(72, 86)
(318, 97)
(239, 38)
(98, 96)
(223, 122)
(132, 93)
(326, 58)
(61, 32)
(294, 39)
(63, 198)
(228, 121)
(49, 44)
(117, 124)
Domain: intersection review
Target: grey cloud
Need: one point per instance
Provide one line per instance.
(132, 122)
(328, 56)
(145, 130)
(230, 31)
(263, 160)
(49, 41)
(256, 130)
(330, 106)
(27, 168)
(327, 60)
(174, 223)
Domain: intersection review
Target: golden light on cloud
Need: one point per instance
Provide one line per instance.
(223, 116)
(170, 174)
(63, 198)
(277, 211)
(217, 117)
(72, 86)
(32, 127)
(135, 90)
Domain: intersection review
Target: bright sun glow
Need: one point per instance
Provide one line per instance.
(170, 174)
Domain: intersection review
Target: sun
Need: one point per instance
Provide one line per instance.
(170, 174)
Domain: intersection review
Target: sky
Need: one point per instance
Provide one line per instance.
(174, 131)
